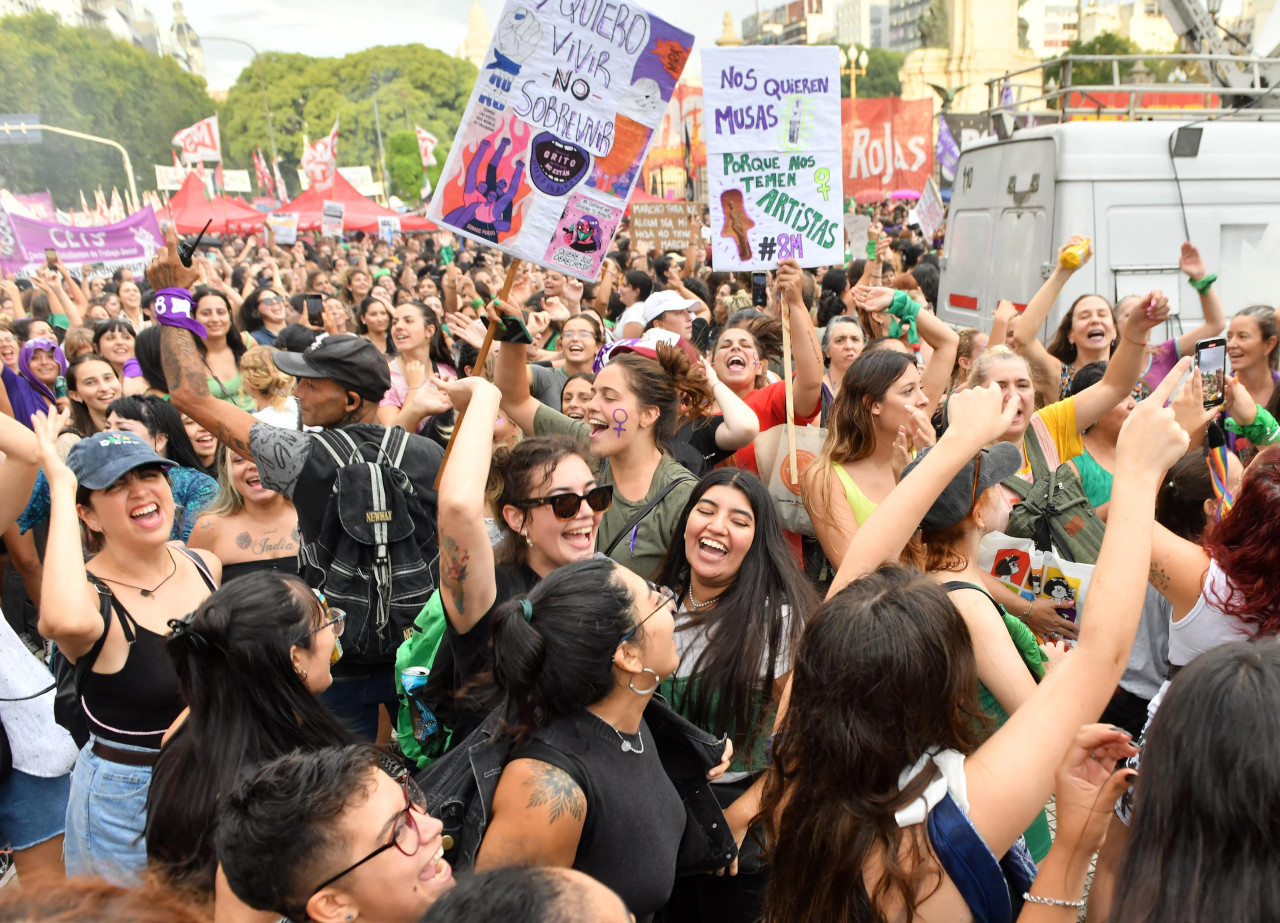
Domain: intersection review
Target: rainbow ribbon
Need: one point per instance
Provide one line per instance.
(1217, 459)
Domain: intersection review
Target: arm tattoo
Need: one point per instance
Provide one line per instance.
(182, 361)
(226, 435)
(556, 789)
(453, 570)
(1159, 579)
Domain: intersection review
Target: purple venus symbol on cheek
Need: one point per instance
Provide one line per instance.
(619, 417)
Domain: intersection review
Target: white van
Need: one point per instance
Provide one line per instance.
(1016, 201)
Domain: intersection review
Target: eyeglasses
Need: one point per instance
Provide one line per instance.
(668, 595)
(405, 835)
(566, 506)
(272, 300)
(331, 615)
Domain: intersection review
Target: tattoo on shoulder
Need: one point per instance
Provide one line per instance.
(555, 788)
(453, 570)
(1159, 578)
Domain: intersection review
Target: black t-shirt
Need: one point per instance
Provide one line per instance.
(463, 658)
(695, 445)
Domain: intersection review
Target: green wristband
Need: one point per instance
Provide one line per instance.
(1202, 285)
(871, 249)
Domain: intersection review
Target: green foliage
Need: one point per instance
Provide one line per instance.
(415, 84)
(1099, 72)
(88, 81)
(881, 78)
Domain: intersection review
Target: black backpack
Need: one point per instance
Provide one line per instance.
(375, 554)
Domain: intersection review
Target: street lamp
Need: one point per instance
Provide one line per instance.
(262, 77)
(855, 67)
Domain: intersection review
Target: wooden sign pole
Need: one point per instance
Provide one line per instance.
(790, 392)
(478, 368)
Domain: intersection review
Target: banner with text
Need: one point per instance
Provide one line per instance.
(888, 144)
(131, 242)
(665, 225)
(773, 155)
(556, 129)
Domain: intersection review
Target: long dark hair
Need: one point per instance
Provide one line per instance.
(1061, 347)
(247, 706)
(235, 342)
(363, 329)
(159, 417)
(560, 659)
(747, 627)
(518, 473)
(885, 671)
(1180, 501)
(81, 419)
(1202, 839)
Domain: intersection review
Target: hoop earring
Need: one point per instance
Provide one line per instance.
(657, 681)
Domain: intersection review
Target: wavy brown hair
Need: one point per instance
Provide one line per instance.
(885, 672)
(671, 384)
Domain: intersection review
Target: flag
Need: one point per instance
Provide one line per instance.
(264, 175)
(100, 201)
(200, 142)
(219, 183)
(320, 161)
(426, 145)
(116, 210)
(688, 164)
(282, 191)
(947, 152)
(1006, 96)
(84, 206)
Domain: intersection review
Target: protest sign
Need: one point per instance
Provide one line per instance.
(773, 155)
(556, 129)
(888, 144)
(664, 225)
(855, 233)
(169, 178)
(236, 181)
(359, 177)
(929, 211)
(388, 227)
(331, 219)
(284, 227)
(130, 243)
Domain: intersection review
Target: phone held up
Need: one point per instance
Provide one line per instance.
(51, 257)
(1211, 361)
(315, 308)
(759, 289)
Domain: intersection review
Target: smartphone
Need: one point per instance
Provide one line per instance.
(759, 289)
(1211, 360)
(60, 386)
(315, 308)
(51, 257)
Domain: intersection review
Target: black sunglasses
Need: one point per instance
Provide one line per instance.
(566, 506)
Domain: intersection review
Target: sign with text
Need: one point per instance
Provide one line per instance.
(888, 144)
(331, 219)
(929, 211)
(558, 123)
(236, 181)
(131, 242)
(772, 123)
(284, 227)
(664, 225)
(388, 227)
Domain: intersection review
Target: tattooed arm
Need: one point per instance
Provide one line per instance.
(467, 585)
(1178, 570)
(538, 815)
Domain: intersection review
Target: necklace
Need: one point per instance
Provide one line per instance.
(627, 746)
(143, 590)
(697, 605)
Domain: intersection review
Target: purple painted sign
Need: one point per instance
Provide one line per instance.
(131, 242)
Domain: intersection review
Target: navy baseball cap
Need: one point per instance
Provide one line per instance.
(102, 459)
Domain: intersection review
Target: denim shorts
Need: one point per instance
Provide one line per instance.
(33, 809)
(106, 818)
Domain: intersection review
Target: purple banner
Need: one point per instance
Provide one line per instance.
(40, 204)
(132, 241)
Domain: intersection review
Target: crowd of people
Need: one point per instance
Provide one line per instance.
(317, 597)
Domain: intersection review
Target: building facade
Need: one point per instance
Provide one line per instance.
(1052, 25)
(801, 22)
(904, 24)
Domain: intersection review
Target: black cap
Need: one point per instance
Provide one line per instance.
(999, 461)
(349, 360)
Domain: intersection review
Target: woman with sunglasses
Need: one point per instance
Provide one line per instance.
(263, 315)
(331, 835)
(250, 662)
(549, 508)
(583, 786)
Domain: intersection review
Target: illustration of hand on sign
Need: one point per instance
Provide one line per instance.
(517, 38)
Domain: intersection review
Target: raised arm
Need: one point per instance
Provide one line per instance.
(18, 473)
(184, 367)
(805, 350)
(73, 299)
(466, 558)
(511, 375)
(69, 610)
(1026, 336)
(1214, 317)
(1002, 801)
(937, 371)
(1005, 314)
(1126, 364)
(741, 425)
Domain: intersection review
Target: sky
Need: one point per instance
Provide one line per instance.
(335, 27)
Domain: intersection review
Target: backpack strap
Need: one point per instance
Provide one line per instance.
(335, 439)
(969, 863)
(952, 585)
(648, 508)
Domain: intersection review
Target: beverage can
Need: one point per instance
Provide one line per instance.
(1074, 256)
(425, 723)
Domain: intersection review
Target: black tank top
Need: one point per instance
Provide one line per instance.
(288, 565)
(136, 704)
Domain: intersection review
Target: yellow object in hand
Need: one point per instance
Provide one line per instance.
(1072, 257)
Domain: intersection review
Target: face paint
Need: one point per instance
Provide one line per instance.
(620, 428)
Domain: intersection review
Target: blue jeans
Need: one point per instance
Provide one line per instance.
(33, 809)
(106, 818)
(354, 701)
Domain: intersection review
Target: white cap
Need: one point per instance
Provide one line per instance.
(661, 302)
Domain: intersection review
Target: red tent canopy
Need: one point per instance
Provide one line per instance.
(189, 210)
(359, 214)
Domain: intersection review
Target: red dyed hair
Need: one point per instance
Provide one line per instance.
(1246, 545)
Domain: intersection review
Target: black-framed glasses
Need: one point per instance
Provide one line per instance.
(405, 835)
(668, 595)
(566, 506)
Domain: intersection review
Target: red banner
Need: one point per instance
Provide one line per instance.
(888, 144)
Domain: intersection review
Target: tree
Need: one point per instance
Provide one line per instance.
(415, 85)
(1100, 72)
(88, 81)
(881, 78)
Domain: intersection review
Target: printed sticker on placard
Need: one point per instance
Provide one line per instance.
(556, 166)
(584, 231)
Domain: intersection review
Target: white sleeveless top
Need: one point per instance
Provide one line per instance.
(1205, 626)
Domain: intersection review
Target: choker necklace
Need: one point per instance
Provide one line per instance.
(697, 605)
(627, 746)
(143, 590)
